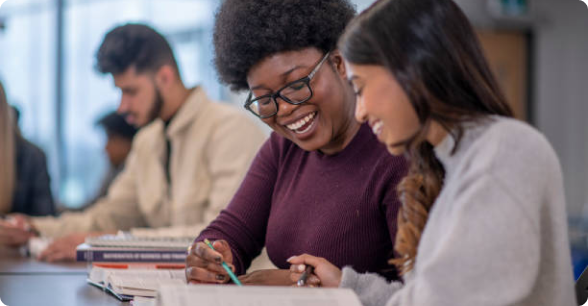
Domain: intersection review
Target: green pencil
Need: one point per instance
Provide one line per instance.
(225, 266)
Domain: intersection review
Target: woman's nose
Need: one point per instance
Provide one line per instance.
(284, 108)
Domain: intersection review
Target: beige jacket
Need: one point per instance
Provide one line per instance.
(212, 145)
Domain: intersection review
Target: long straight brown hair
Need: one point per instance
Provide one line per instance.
(7, 154)
(434, 54)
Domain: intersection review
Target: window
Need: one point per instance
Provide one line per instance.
(47, 50)
(28, 60)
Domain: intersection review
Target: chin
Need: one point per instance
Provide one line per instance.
(306, 145)
(396, 150)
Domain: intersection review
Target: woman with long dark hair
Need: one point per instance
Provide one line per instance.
(483, 218)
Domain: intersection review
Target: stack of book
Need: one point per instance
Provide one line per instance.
(128, 266)
(127, 248)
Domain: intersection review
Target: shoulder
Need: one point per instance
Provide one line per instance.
(512, 141)
(148, 133)
(223, 116)
(513, 155)
(29, 152)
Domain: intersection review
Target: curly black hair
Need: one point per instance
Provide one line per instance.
(135, 45)
(247, 31)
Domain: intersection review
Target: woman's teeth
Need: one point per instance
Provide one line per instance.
(301, 123)
(377, 127)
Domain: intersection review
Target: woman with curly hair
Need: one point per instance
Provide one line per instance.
(322, 184)
(483, 218)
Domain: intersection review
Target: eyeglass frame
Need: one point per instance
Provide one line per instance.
(273, 96)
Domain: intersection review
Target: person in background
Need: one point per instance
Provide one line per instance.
(119, 139)
(24, 180)
(483, 217)
(185, 163)
(322, 183)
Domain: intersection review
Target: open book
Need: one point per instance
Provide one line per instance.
(127, 283)
(227, 295)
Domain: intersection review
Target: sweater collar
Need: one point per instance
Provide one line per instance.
(446, 151)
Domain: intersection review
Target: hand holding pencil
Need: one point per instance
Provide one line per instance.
(311, 271)
(204, 264)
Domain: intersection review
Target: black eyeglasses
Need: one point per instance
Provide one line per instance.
(296, 92)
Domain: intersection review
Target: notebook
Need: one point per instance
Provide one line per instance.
(228, 295)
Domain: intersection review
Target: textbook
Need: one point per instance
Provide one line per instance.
(185, 295)
(126, 284)
(88, 253)
(129, 248)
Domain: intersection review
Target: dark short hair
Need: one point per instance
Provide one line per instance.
(135, 45)
(247, 31)
(115, 124)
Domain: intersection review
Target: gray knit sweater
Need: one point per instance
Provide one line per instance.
(497, 233)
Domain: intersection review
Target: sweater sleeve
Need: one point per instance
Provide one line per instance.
(243, 223)
(471, 263)
(372, 289)
(118, 210)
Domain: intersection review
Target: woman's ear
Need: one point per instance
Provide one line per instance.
(338, 63)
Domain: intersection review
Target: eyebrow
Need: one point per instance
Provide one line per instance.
(283, 75)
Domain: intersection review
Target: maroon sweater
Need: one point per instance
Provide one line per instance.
(341, 207)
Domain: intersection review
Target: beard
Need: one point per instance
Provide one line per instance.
(155, 110)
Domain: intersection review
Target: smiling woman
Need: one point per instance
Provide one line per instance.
(322, 184)
(483, 201)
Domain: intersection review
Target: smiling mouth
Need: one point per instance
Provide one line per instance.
(303, 125)
(377, 127)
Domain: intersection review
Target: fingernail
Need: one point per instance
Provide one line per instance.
(300, 268)
(220, 277)
(291, 257)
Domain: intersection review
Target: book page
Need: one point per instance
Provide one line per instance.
(137, 281)
(101, 275)
(228, 295)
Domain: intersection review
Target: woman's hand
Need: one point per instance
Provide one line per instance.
(325, 273)
(269, 277)
(203, 264)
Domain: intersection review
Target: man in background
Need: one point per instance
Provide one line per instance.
(119, 138)
(185, 164)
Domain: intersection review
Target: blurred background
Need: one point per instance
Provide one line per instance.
(538, 50)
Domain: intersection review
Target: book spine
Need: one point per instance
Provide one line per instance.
(139, 265)
(151, 256)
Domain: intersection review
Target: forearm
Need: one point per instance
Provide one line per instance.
(372, 289)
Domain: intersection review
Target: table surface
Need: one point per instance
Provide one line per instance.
(25, 281)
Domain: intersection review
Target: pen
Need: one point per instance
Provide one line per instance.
(225, 266)
(302, 280)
